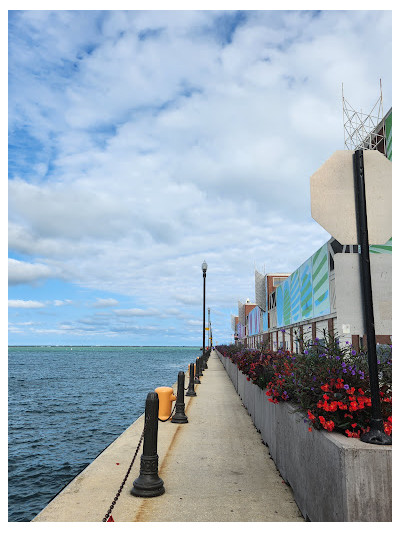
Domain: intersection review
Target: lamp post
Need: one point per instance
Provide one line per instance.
(209, 326)
(204, 268)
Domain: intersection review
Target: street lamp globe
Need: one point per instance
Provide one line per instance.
(204, 266)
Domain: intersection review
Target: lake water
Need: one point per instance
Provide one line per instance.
(67, 404)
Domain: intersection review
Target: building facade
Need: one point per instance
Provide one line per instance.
(323, 295)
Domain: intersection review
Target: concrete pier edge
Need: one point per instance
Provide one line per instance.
(215, 469)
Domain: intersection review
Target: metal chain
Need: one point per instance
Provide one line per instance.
(170, 416)
(126, 476)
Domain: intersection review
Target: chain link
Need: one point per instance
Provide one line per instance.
(170, 416)
(126, 477)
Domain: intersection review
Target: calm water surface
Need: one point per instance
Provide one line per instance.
(67, 404)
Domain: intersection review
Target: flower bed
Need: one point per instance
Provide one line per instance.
(329, 383)
(333, 478)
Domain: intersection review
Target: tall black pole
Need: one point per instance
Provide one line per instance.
(376, 434)
(209, 326)
(204, 268)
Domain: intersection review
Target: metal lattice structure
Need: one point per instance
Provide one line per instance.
(361, 130)
(260, 291)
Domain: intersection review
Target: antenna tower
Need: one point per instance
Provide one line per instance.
(361, 130)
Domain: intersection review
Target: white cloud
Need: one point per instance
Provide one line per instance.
(23, 272)
(136, 312)
(167, 137)
(105, 302)
(25, 304)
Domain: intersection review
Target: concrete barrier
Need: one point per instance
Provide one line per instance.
(333, 478)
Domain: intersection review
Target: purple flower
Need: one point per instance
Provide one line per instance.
(353, 352)
(353, 373)
(306, 352)
(346, 387)
(337, 358)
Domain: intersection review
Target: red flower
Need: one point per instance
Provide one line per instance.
(325, 387)
(311, 416)
(353, 434)
(339, 385)
(353, 406)
(325, 397)
(330, 425)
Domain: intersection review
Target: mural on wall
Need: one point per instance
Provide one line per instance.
(387, 247)
(279, 305)
(388, 131)
(264, 317)
(295, 297)
(320, 276)
(381, 248)
(254, 321)
(305, 273)
(240, 331)
(305, 293)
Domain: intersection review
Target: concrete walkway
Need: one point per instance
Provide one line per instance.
(215, 469)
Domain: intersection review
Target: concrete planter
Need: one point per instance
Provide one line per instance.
(232, 371)
(333, 478)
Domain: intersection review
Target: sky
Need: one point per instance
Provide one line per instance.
(144, 142)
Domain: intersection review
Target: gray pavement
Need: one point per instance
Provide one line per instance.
(215, 469)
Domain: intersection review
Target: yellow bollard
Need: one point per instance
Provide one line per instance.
(165, 397)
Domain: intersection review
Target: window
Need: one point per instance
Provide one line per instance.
(277, 281)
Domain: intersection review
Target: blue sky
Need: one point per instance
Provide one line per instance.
(143, 142)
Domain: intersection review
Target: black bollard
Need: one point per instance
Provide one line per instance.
(199, 362)
(191, 391)
(180, 416)
(149, 484)
(196, 375)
